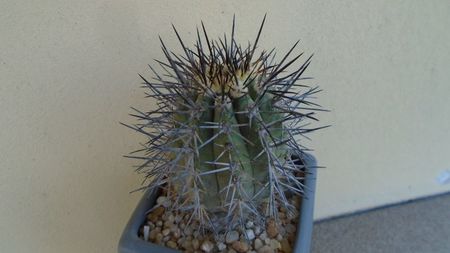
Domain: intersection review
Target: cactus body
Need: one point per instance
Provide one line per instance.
(222, 139)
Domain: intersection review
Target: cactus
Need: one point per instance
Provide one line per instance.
(222, 139)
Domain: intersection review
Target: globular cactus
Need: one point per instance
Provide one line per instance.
(222, 139)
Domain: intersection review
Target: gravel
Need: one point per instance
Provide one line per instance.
(175, 231)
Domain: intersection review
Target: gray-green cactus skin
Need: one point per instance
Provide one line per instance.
(222, 141)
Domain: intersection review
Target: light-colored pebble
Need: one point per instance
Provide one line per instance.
(279, 237)
(146, 232)
(168, 224)
(232, 236)
(221, 246)
(257, 244)
(166, 232)
(177, 233)
(161, 200)
(187, 245)
(263, 236)
(207, 246)
(257, 230)
(250, 234)
(266, 249)
(249, 224)
(275, 244)
(172, 244)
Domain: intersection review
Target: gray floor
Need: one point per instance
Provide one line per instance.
(421, 226)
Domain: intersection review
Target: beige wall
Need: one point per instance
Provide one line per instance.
(68, 73)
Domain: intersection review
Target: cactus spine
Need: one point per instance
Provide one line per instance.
(222, 140)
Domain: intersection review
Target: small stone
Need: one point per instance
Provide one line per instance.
(250, 234)
(257, 244)
(166, 232)
(146, 232)
(263, 236)
(159, 223)
(166, 238)
(275, 244)
(257, 230)
(279, 237)
(249, 224)
(285, 246)
(161, 200)
(158, 238)
(290, 228)
(266, 249)
(267, 241)
(188, 230)
(232, 236)
(173, 229)
(168, 224)
(177, 233)
(282, 231)
(272, 230)
(155, 215)
(172, 244)
(171, 218)
(195, 243)
(221, 246)
(178, 218)
(207, 246)
(220, 237)
(239, 246)
(187, 245)
(153, 233)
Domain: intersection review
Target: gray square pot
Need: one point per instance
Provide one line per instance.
(131, 243)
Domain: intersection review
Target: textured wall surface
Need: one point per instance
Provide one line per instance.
(68, 74)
